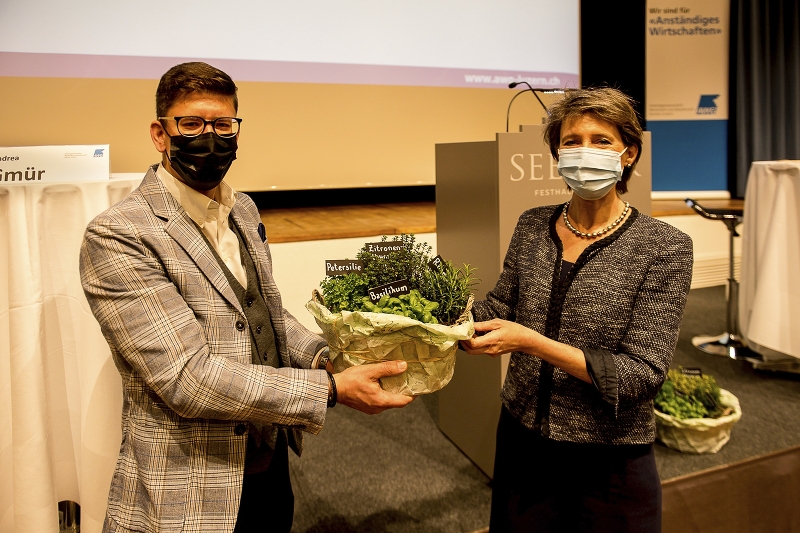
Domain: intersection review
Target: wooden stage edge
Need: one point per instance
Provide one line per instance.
(756, 494)
(298, 224)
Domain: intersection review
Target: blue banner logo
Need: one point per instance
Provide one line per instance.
(707, 105)
(99, 152)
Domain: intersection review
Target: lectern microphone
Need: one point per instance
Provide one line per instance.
(515, 83)
(531, 89)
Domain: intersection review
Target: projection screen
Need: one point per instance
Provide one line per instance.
(334, 94)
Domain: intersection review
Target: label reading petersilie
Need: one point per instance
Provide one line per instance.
(395, 288)
(384, 248)
(437, 263)
(342, 267)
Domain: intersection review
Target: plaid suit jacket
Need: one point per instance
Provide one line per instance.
(181, 343)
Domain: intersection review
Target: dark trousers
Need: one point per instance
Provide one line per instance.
(550, 486)
(267, 504)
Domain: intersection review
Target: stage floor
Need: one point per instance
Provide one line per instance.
(345, 221)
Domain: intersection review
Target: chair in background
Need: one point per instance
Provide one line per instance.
(729, 344)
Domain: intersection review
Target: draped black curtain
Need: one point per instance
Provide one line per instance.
(764, 119)
(613, 47)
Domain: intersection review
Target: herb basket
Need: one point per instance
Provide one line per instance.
(698, 435)
(357, 338)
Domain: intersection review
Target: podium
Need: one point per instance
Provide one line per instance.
(481, 190)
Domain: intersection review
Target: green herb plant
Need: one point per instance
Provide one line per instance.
(344, 292)
(410, 262)
(450, 287)
(411, 305)
(688, 396)
(447, 287)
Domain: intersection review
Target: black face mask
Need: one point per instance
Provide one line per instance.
(202, 161)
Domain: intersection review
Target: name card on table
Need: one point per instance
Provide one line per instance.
(48, 164)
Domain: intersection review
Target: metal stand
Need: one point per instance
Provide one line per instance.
(729, 344)
(69, 517)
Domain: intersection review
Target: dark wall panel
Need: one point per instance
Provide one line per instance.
(612, 47)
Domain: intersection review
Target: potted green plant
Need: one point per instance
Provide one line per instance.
(693, 414)
(402, 304)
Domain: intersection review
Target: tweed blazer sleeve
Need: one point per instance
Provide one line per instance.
(175, 328)
(644, 354)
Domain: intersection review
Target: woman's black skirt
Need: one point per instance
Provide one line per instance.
(544, 485)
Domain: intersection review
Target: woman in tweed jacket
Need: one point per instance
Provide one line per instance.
(589, 303)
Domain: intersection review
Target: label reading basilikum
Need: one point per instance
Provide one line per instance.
(395, 288)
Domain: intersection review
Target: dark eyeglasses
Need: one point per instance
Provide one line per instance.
(194, 126)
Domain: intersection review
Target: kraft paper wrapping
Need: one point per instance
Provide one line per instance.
(357, 338)
(699, 435)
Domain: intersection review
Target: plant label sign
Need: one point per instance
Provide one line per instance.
(437, 263)
(383, 248)
(395, 288)
(692, 372)
(342, 267)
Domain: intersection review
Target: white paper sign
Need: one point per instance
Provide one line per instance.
(47, 164)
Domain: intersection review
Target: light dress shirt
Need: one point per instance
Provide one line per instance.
(207, 214)
(212, 218)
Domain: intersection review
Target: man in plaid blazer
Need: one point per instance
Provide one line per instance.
(218, 379)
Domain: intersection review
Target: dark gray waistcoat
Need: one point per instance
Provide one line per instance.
(261, 440)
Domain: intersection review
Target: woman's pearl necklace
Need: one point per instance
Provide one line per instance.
(599, 232)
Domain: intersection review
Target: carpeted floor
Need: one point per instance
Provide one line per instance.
(397, 473)
(393, 472)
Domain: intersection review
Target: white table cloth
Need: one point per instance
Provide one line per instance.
(60, 393)
(769, 295)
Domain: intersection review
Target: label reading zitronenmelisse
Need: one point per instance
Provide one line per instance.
(384, 248)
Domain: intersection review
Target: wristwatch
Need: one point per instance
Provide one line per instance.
(322, 362)
(333, 395)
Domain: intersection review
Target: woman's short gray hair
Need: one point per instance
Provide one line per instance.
(604, 103)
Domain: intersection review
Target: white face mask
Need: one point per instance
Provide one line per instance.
(590, 172)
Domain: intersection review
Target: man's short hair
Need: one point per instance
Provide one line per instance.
(186, 78)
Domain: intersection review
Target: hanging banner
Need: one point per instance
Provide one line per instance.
(687, 92)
